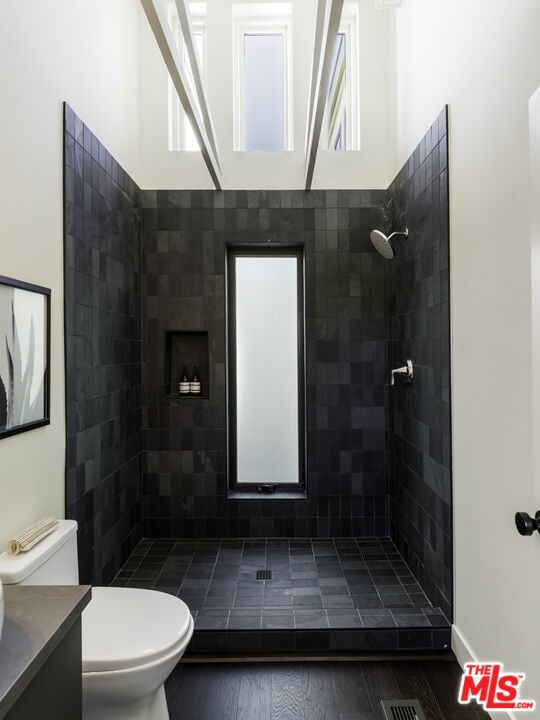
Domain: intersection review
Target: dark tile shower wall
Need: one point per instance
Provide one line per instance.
(418, 327)
(364, 316)
(185, 485)
(103, 353)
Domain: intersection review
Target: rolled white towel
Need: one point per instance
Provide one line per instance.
(31, 535)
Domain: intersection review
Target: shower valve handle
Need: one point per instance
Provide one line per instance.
(525, 524)
(406, 370)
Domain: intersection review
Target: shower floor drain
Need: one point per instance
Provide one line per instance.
(264, 574)
(402, 710)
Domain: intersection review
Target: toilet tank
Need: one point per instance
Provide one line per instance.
(53, 561)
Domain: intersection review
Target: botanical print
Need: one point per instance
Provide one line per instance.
(23, 347)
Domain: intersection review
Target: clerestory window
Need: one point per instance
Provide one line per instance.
(262, 77)
(181, 135)
(342, 104)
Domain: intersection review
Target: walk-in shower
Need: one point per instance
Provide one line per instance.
(358, 558)
(381, 242)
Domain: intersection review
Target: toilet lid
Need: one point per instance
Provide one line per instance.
(126, 627)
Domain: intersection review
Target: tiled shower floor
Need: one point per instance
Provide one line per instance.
(351, 594)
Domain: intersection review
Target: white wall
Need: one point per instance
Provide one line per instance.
(367, 168)
(483, 59)
(84, 52)
(534, 134)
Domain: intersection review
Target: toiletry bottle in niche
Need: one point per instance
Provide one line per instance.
(184, 384)
(195, 383)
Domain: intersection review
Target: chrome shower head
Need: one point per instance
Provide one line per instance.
(381, 242)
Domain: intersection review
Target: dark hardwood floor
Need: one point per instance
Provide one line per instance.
(314, 690)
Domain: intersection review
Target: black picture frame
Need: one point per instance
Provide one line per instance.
(25, 320)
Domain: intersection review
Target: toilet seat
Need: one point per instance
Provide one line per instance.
(125, 628)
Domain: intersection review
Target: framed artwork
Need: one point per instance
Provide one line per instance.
(24, 356)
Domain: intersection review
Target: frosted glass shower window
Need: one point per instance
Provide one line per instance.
(264, 92)
(267, 387)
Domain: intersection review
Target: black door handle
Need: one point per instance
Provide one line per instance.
(525, 524)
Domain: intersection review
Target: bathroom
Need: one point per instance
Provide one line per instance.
(414, 474)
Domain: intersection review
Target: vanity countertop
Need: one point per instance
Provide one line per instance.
(37, 618)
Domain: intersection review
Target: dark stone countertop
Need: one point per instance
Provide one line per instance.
(37, 618)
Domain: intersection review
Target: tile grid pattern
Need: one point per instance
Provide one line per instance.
(418, 327)
(317, 584)
(349, 341)
(185, 484)
(102, 353)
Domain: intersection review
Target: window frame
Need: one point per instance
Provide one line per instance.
(258, 20)
(264, 250)
(349, 28)
(177, 121)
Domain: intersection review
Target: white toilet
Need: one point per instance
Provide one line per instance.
(131, 638)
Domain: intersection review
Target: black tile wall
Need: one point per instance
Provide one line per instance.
(378, 457)
(102, 353)
(185, 485)
(418, 327)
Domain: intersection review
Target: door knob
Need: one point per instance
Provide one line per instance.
(525, 524)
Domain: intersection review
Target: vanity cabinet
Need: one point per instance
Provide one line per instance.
(40, 652)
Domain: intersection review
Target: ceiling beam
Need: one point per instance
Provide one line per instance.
(162, 33)
(324, 62)
(316, 63)
(187, 31)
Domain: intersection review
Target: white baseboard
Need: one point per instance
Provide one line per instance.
(464, 654)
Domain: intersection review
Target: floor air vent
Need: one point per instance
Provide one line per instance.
(264, 574)
(402, 710)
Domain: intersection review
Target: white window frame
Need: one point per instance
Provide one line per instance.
(178, 123)
(349, 28)
(261, 19)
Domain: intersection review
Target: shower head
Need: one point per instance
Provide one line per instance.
(382, 244)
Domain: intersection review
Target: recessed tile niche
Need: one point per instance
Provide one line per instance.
(189, 349)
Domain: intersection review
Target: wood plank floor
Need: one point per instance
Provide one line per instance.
(314, 690)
